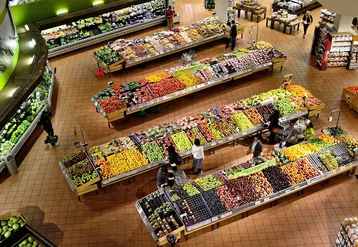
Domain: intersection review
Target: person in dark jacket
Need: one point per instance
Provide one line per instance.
(273, 127)
(307, 21)
(162, 177)
(256, 147)
(174, 158)
(45, 123)
(233, 34)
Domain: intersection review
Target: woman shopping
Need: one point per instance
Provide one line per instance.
(307, 21)
(174, 158)
(198, 155)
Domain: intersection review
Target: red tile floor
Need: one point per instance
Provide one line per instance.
(41, 193)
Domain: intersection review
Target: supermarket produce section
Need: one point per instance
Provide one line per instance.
(140, 152)
(116, 102)
(208, 200)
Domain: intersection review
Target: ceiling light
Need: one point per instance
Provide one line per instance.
(62, 12)
(32, 43)
(97, 3)
(13, 91)
(27, 28)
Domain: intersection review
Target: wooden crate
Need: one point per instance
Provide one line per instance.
(89, 185)
(349, 97)
(116, 66)
(9, 214)
(116, 115)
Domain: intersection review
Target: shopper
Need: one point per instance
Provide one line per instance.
(274, 127)
(309, 131)
(45, 123)
(307, 21)
(174, 158)
(162, 177)
(198, 155)
(227, 34)
(233, 34)
(170, 17)
(171, 177)
(256, 147)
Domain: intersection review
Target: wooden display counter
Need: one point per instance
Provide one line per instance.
(257, 10)
(350, 98)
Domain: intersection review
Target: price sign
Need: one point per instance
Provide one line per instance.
(214, 218)
(226, 215)
(213, 144)
(230, 138)
(257, 202)
(244, 133)
(266, 199)
(342, 168)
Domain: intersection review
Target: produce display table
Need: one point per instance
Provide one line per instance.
(81, 182)
(126, 157)
(116, 102)
(297, 7)
(121, 54)
(350, 96)
(17, 131)
(232, 192)
(288, 21)
(254, 9)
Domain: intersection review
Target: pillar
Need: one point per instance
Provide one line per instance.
(343, 23)
(221, 9)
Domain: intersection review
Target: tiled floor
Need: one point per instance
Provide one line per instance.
(41, 193)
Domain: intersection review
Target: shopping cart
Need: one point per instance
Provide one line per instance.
(291, 132)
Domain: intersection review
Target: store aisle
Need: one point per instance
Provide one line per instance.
(110, 218)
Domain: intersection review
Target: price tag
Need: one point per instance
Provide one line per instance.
(334, 172)
(257, 202)
(226, 215)
(230, 138)
(213, 144)
(342, 168)
(214, 218)
(266, 199)
(289, 190)
(183, 215)
(244, 133)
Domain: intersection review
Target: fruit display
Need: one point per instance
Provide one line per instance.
(178, 79)
(294, 174)
(280, 158)
(160, 213)
(193, 210)
(164, 41)
(195, 133)
(153, 152)
(213, 201)
(79, 168)
(254, 116)
(20, 122)
(227, 199)
(298, 103)
(204, 127)
(243, 190)
(181, 141)
(10, 226)
(313, 101)
(353, 89)
(285, 107)
(82, 29)
(208, 182)
(298, 90)
(266, 111)
(190, 189)
(278, 180)
(327, 138)
(242, 121)
(177, 192)
(306, 168)
(329, 160)
(226, 127)
(29, 241)
(262, 186)
(295, 152)
(348, 140)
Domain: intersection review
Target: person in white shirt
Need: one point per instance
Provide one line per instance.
(198, 155)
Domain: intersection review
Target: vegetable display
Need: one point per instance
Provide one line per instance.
(81, 29)
(16, 127)
(10, 226)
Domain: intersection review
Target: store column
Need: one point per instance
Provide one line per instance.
(221, 7)
(343, 23)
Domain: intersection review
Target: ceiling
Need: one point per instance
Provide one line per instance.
(343, 7)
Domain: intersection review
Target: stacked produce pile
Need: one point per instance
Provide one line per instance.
(126, 154)
(174, 80)
(164, 41)
(79, 168)
(84, 28)
(10, 226)
(12, 131)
